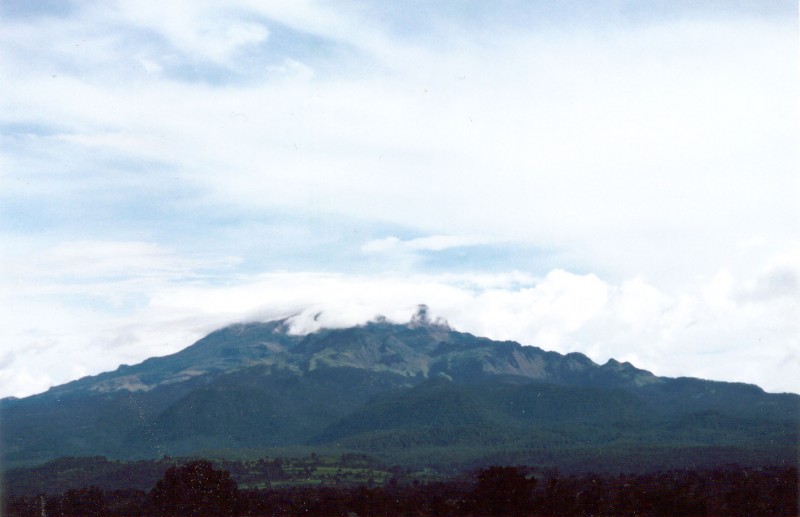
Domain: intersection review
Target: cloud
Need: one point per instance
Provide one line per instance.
(604, 141)
(93, 261)
(650, 151)
(780, 279)
(778, 283)
(670, 333)
(430, 243)
(205, 32)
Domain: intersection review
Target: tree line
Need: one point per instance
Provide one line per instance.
(198, 488)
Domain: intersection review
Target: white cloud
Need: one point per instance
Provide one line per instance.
(610, 143)
(430, 243)
(381, 245)
(24, 382)
(90, 262)
(202, 30)
(671, 333)
(780, 279)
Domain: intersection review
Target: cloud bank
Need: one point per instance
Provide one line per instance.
(709, 332)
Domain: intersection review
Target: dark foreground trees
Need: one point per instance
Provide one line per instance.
(197, 488)
(502, 491)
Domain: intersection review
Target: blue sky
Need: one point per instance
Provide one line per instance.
(617, 178)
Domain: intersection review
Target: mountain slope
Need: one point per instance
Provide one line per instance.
(382, 387)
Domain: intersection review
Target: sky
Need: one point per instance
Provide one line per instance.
(612, 177)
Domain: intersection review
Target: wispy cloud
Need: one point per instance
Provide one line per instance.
(431, 243)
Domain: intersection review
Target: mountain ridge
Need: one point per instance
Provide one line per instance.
(383, 387)
(242, 345)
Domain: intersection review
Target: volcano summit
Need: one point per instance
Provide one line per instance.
(412, 392)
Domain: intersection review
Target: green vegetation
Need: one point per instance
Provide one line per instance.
(418, 396)
(348, 469)
(197, 487)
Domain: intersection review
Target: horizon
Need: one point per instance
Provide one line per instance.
(616, 178)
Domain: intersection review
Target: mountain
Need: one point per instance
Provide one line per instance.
(416, 392)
